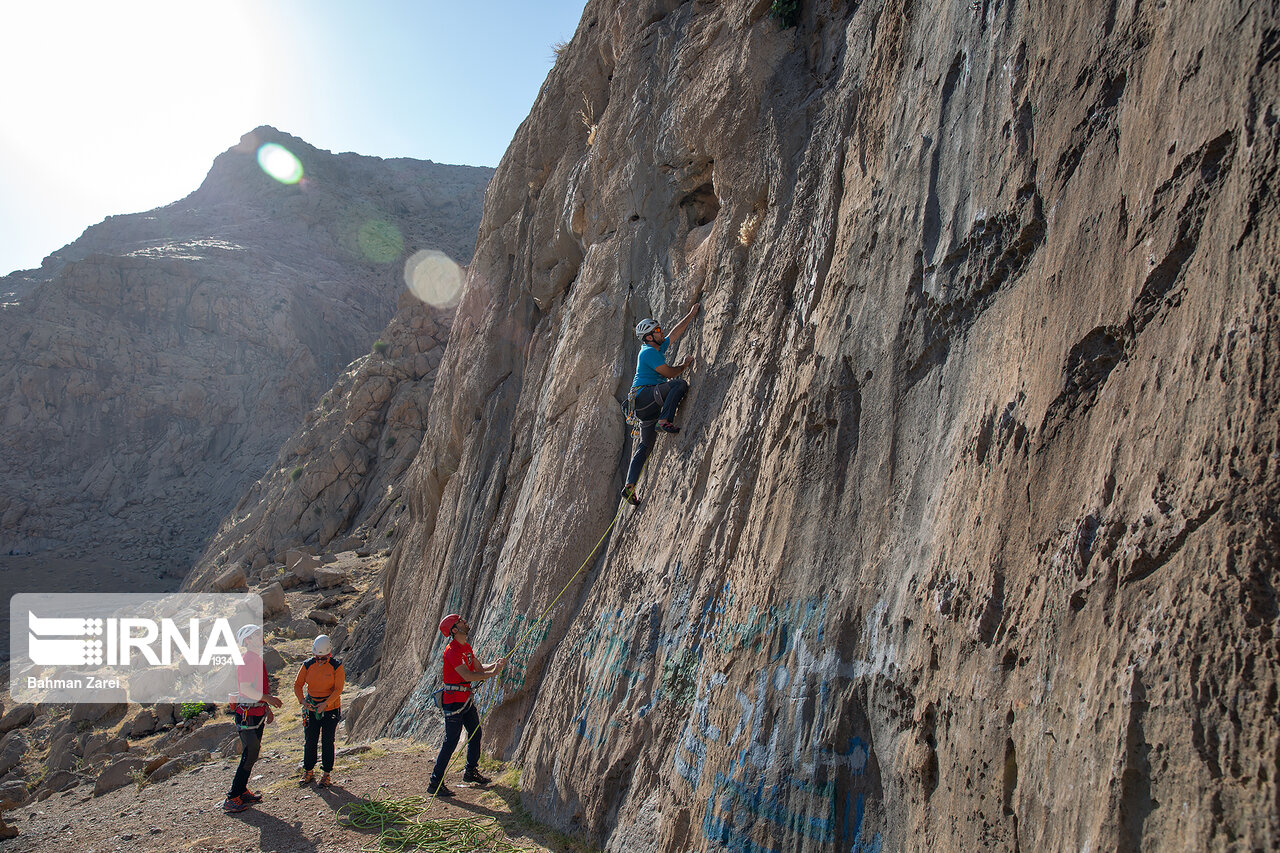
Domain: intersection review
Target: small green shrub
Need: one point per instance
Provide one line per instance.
(391, 441)
(787, 12)
(190, 710)
(380, 347)
(295, 474)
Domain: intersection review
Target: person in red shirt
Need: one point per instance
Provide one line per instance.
(461, 671)
(252, 707)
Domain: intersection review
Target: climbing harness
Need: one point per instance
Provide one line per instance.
(437, 698)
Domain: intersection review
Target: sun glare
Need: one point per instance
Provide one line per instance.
(434, 277)
(280, 163)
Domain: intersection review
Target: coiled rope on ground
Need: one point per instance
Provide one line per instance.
(400, 830)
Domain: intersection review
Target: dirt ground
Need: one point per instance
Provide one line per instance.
(185, 813)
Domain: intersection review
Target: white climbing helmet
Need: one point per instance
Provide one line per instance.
(645, 326)
(322, 646)
(246, 632)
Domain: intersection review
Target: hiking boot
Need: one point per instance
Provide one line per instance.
(324, 780)
(668, 426)
(234, 804)
(250, 797)
(440, 791)
(308, 777)
(629, 494)
(473, 777)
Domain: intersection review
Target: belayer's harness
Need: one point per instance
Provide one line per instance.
(437, 698)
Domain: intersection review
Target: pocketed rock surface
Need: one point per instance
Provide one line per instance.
(970, 537)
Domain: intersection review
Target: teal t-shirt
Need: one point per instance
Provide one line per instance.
(647, 363)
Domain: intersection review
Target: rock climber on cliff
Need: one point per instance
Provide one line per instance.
(656, 391)
(461, 670)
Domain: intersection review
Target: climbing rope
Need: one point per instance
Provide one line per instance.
(397, 821)
(399, 830)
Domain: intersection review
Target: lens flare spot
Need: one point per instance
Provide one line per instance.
(380, 241)
(434, 277)
(279, 162)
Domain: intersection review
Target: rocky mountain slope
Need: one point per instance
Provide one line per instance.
(970, 538)
(151, 370)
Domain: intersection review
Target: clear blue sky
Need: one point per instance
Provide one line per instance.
(121, 107)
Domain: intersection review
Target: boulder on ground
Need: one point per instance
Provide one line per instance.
(13, 748)
(117, 775)
(177, 765)
(273, 600)
(231, 747)
(322, 617)
(86, 712)
(64, 752)
(233, 578)
(272, 659)
(14, 795)
(17, 717)
(166, 714)
(302, 564)
(143, 723)
(56, 781)
(304, 628)
(154, 763)
(206, 738)
(330, 576)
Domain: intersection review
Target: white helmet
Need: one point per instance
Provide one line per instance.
(644, 327)
(322, 646)
(246, 631)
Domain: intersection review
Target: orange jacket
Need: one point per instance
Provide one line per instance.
(322, 678)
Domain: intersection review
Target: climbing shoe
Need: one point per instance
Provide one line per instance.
(308, 777)
(440, 790)
(324, 780)
(473, 777)
(251, 797)
(668, 426)
(234, 804)
(629, 495)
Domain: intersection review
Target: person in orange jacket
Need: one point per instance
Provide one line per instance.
(323, 679)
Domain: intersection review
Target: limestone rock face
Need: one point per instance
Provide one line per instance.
(151, 370)
(339, 475)
(970, 536)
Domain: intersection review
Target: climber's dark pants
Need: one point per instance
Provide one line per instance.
(251, 743)
(322, 729)
(653, 403)
(453, 726)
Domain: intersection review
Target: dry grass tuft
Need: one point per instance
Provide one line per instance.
(747, 230)
(588, 116)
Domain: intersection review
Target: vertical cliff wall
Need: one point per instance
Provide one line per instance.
(970, 538)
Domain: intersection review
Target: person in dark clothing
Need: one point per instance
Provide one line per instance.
(319, 690)
(655, 392)
(252, 710)
(461, 671)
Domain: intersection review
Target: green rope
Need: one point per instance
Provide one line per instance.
(396, 820)
(400, 830)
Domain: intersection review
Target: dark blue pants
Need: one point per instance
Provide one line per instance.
(653, 403)
(251, 741)
(453, 726)
(322, 729)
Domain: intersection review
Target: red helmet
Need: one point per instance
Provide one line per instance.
(447, 623)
